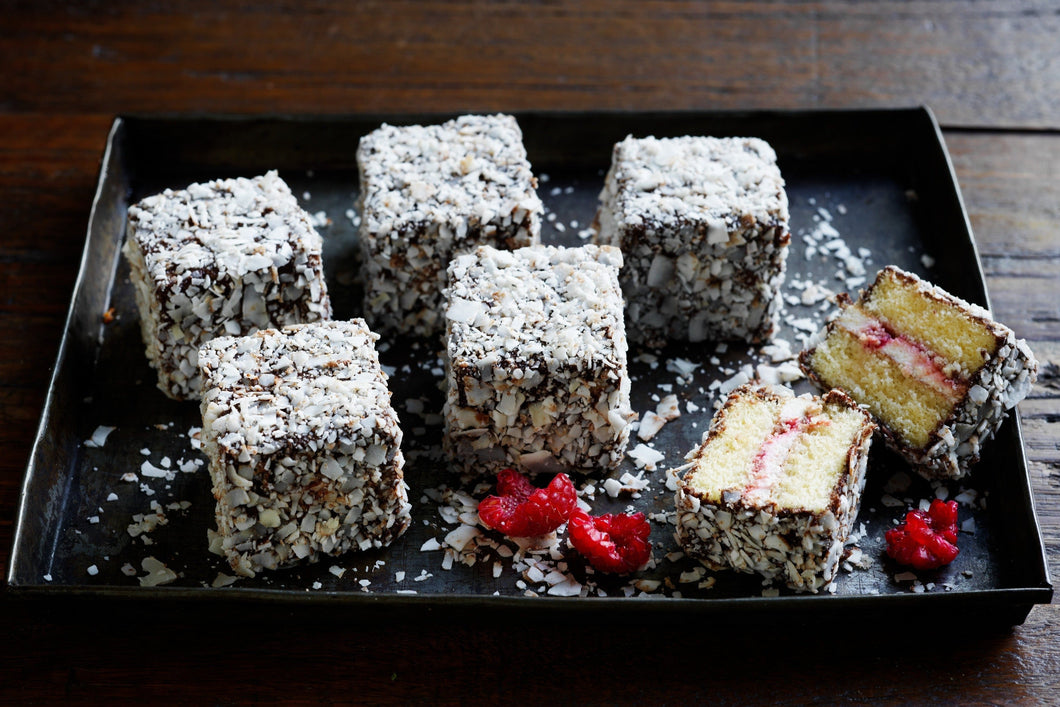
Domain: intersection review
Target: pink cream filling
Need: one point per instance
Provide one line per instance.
(912, 357)
(796, 417)
(770, 459)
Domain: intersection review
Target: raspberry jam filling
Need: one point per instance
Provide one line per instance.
(796, 417)
(913, 358)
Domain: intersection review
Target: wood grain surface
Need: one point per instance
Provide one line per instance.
(989, 70)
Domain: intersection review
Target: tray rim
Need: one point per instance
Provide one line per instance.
(1017, 598)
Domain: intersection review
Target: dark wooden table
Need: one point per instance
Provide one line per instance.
(990, 71)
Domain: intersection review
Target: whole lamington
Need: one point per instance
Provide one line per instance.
(225, 257)
(303, 444)
(703, 225)
(536, 361)
(429, 193)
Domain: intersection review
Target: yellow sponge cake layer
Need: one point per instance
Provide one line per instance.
(911, 408)
(819, 458)
(724, 464)
(942, 323)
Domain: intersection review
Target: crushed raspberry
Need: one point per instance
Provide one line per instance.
(927, 539)
(615, 543)
(522, 510)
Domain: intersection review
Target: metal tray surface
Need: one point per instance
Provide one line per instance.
(881, 179)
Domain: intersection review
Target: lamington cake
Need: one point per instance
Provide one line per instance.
(774, 488)
(303, 444)
(536, 361)
(225, 257)
(703, 225)
(429, 193)
(937, 372)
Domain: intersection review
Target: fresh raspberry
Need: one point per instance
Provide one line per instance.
(615, 543)
(927, 539)
(522, 510)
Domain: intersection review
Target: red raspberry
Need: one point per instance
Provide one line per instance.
(616, 543)
(926, 540)
(522, 510)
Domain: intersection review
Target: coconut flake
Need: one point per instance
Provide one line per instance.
(99, 437)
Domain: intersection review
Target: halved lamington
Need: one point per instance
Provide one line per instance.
(303, 444)
(225, 257)
(703, 225)
(429, 193)
(536, 361)
(937, 372)
(774, 488)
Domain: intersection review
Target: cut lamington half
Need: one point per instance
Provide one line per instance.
(775, 486)
(937, 372)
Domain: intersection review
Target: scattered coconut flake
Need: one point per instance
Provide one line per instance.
(681, 366)
(968, 526)
(742, 376)
(430, 545)
(157, 572)
(461, 536)
(650, 424)
(92, 570)
(645, 457)
(891, 502)
(569, 587)
(898, 483)
(151, 471)
(693, 575)
(99, 437)
(223, 580)
(337, 571)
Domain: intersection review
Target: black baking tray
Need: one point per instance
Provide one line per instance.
(881, 178)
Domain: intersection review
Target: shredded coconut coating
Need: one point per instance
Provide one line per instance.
(536, 350)
(703, 224)
(429, 193)
(799, 547)
(1003, 381)
(225, 257)
(303, 445)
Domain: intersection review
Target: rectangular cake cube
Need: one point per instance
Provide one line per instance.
(703, 225)
(225, 257)
(429, 193)
(536, 368)
(937, 372)
(303, 444)
(774, 488)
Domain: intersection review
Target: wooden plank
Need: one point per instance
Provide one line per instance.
(976, 64)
